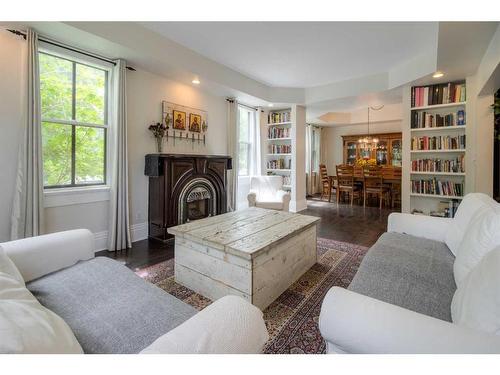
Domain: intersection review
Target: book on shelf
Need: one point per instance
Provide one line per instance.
(421, 120)
(455, 165)
(437, 187)
(440, 142)
(277, 133)
(444, 93)
(278, 117)
(279, 164)
(280, 149)
(446, 209)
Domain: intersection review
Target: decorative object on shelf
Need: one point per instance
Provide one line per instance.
(159, 131)
(369, 143)
(365, 162)
(177, 117)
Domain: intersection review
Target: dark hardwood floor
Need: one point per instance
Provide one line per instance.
(362, 226)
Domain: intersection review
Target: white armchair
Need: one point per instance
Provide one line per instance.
(267, 192)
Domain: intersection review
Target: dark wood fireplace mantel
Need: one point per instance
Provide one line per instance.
(170, 178)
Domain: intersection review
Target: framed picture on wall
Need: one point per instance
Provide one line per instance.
(179, 120)
(194, 123)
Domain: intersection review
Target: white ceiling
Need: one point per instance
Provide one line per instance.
(303, 54)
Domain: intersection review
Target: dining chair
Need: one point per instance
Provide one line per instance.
(327, 183)
(392, 179)
(373, 184)
(346, 184)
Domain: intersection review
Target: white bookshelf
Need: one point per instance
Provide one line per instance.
(439, 106)
(440, 128)
(438, 173)
(430, 202)
(279, 140)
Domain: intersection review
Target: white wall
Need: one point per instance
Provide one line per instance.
(11, 61)
(145, 93)
(335, 151)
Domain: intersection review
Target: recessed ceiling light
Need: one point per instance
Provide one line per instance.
(438, 74)
(196, 81)
(270, 105)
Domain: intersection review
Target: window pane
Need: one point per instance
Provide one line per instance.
(244, 133)
(56, 87)
(90, 94)
(243, 159)
(89, 155)
(56, 140)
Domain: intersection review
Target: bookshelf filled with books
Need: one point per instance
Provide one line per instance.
(278, 151)
(438, 146)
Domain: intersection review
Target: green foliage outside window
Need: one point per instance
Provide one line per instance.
(73, 97)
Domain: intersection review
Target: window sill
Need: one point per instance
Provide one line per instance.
(77, 195)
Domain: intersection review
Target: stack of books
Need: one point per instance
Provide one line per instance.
(280, 149)
(439, 142)
(437, 94)
(276, 133)
(437, 187)
(420, 120)
(446, 209)
(456, 165)
(278, 117)
(279, 164)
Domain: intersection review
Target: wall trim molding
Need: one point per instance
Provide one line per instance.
(138, 232)
(297, 206)
(72, 196)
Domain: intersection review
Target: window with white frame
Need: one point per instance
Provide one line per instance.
(246, 140)
(74, 99)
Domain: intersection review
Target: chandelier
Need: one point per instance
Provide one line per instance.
(367, 142)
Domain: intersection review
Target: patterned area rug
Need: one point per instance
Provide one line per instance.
(292, 320)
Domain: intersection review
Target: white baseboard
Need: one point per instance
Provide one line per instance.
(297, 206)
(138, 232)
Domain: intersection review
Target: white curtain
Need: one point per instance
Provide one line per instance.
(256, 149)
(27, 211)
(119, 230)
(315, 155)
(232, 150)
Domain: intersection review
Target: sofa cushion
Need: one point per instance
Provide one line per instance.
(471, 204)
(28, 327)
(481, 236)
(476, 303)
(8, 267)
(411, 272)
(108, 307)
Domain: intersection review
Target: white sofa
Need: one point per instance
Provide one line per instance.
(429, 285)
(97, 305)
(267, 192)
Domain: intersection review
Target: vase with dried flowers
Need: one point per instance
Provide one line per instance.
(158, 131)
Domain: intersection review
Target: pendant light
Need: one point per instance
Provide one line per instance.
(367, 142)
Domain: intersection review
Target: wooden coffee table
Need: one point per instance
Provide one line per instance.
(254, 253)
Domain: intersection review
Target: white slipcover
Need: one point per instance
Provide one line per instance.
(267, 192)
(38, 256)
(476, 303)
(230, 325)
(472, 203)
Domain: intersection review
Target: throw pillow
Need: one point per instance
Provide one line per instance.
(470, 205)
(8, 267)
(476, 303)
(482, 236)
(28, 327)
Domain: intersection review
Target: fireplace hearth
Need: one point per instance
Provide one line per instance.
(183, 189)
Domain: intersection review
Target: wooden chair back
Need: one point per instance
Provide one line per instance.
(323, 174)
(372, 176)
(358, 172)
(345, 175)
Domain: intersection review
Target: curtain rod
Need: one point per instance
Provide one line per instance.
(65, 46)
(231, 100)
